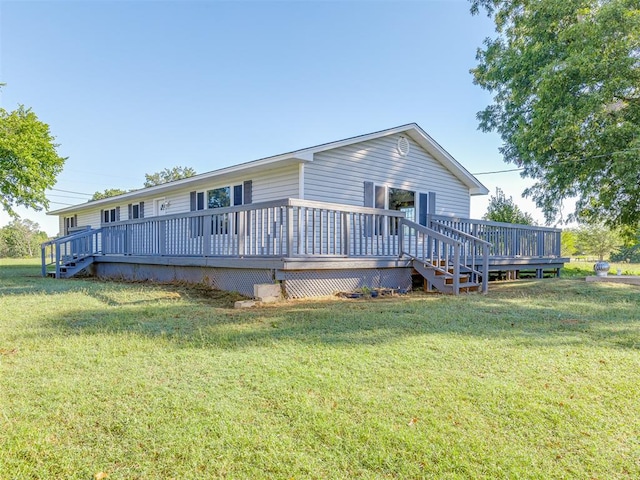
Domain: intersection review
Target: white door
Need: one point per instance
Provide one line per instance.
(160, 206)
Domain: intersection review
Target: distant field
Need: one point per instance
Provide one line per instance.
(537, 379)
(583, 269)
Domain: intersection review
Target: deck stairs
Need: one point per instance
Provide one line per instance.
(441, 278)
(70, 255)
(72, 266)
(450, 261)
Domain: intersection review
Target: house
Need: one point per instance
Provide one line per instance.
(364, 211)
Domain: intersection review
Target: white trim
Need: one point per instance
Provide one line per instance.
(301, 181)
(299, 157)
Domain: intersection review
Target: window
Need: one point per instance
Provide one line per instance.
(111, 215)
(404, 201)
(70, 223)
(136, 210)
(219, 197)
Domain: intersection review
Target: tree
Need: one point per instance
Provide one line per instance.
(21, 238)
(168, 175)
(109, 192)
(565, 76)
(503, 209)
(568, 243)
(597, 240)
(29, 162)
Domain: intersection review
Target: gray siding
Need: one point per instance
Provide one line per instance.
(338, 175)
(276, 184)
(270, 185)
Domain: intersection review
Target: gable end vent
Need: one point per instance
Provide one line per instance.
(403, 146)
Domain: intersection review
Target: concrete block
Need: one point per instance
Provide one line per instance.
(267, 292)
(244, 304)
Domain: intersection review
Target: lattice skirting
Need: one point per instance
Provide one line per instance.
(296, 284)
(239, 280)
(317, 283)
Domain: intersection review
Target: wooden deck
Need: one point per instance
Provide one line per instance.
(289, 238)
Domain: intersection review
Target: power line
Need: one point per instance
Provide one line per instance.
(498, 171)
(566, 160)
(69, 191)
(64, 196)
(60, 203)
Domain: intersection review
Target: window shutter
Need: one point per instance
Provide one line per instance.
(432, 203)
(424, 203)
(237, 195)
(380, 200)
(193, 200)
(117, 214)
(130, 208)
(368, 194)
(248, 192)
(75, 220)
(141, 209)
(101, 217)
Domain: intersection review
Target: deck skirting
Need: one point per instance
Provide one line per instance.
(299, 279)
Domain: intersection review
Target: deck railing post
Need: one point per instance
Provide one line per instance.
(401, 237)
(43, 256)
(456, 268)
(162, 237)
(57, 261)
(485, 268)
(242, 231)
(289, 231)
(346, 237)
(207, 220)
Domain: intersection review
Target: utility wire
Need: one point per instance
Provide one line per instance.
(69, 191)
(567, 160)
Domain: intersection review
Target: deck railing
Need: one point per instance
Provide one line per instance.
(283, 228)
(296, 228)
(72, 248)
(506, 239)
(448, 251)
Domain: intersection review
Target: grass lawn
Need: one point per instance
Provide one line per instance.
(537, 379)
(583, 269)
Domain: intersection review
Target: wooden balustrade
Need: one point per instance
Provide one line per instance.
(507, 240)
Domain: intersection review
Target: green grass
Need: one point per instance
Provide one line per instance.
(537, 379)
(577, 269)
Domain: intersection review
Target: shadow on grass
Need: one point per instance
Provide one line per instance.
(547, 313)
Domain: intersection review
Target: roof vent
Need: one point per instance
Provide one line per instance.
(403, 146)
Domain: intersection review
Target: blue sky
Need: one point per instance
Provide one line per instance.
(130, 88)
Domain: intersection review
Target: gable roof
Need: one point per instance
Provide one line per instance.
(304, 155)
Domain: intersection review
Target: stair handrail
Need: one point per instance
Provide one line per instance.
(486, 246)
(454, 251)
(71, 239)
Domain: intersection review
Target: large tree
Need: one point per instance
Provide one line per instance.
(503, 209)
(108, 192)
(21, 238)
(168, 175)
(29, 162)
(565, 78)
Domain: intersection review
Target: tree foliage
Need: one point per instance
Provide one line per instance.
(597, 240)
(21, 238)
(109, 192)
(503, 209)
(168, 175)
(29, 162)
(565, 76)
(568, 243)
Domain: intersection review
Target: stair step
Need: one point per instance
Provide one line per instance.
(463, 277)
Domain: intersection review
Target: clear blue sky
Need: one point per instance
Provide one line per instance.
(130, 88)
